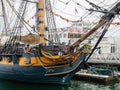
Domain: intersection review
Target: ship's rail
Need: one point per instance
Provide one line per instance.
(106, 58)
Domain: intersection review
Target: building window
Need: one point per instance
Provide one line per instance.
(64, 36)
(48, 36)
(99, 51)
(112, 49)
(60, 35)
(73, 35)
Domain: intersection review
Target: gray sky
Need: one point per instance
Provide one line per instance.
(69, 12)
(73, 11)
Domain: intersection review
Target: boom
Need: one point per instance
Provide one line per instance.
(104, 19)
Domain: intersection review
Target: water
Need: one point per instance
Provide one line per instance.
(75, 85)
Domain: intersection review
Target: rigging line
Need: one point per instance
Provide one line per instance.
(78, 4)
(30, 1)
(65, 3)
(100, 38)
(11, 16)
(65, 7)
(10, 23)
(8, 41)
(29, 30)
(23, 13)
(37, 32)
(64, 12)
(48, 19)
(12, 34)
(25, 26)
(4, 15)
(84, 9)
(101, 2)
(11, 19)
(108, 2)
(110, 5)
(30, 9)
(8, 10)
(51, 22)
(68, 2)
(61, 1)
(15, 11)
(85, 15)
(11, 39)
(75, 12)
(88, 13)
(54, 3)
(97, 7)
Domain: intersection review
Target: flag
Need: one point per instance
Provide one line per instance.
(71, 30)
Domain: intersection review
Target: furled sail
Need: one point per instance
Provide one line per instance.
(29, 39)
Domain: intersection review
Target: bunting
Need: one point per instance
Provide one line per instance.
(67, 20)
(116, 23)
(63, 18)
(33, 17)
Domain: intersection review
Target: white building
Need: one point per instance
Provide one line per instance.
(73, 33)
(108, 45)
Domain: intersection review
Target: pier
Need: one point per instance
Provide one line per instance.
(105, 79)
(101, 60)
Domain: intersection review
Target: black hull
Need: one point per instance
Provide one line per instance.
(39, 74)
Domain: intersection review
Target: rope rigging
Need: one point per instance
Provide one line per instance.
(10, 44)
(51, 25)
(50, 20)
(4, 16)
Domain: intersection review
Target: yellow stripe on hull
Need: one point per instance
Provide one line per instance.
(46, 61)
(5, 61)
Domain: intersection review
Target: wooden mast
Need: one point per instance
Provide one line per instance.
(41, 20)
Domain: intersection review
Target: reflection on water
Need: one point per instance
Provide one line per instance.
(8, 85)
(75, 85)
(83, 85)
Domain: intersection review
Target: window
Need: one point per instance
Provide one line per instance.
(64, 36)
(112, 49)
(60, 35)
(74, 35)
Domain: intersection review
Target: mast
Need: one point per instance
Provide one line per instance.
(41, 20)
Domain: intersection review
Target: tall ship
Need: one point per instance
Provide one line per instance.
(35, 58)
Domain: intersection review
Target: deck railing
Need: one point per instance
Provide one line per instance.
(111, 58)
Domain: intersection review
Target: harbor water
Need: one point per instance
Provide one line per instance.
(75, 85)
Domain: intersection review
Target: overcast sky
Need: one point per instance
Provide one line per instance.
(76, 9)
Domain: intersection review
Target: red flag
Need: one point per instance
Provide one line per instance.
(71, 30)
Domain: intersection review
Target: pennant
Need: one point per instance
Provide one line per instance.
(56, 14)
(115, 23)
(71, 30)
(76, 11)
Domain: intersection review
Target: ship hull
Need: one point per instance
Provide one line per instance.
(40, 74)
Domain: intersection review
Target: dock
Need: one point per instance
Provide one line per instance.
(95, 78)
